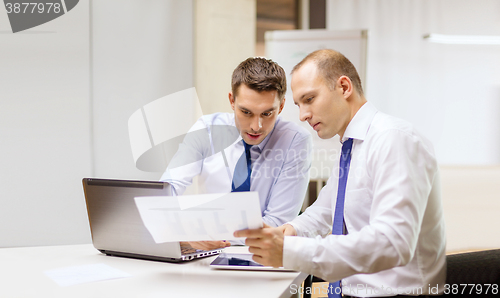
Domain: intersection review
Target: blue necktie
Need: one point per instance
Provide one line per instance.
(242, 171)
(338, 220)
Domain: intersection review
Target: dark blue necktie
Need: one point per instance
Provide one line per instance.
(242, 171)
(338, 220)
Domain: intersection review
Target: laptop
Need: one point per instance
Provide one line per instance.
(116, 225)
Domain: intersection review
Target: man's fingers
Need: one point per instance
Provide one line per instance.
(209, 245)
(255, 242)
(265, 244)
(290, 231)
(258, 255)
(255, 233)
(261, 260)
(255, 250)
(198, 245)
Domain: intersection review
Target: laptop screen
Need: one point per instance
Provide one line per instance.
(115, 222)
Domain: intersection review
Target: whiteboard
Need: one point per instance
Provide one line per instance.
(289, 47)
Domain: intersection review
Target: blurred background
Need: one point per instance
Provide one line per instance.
(68, 87)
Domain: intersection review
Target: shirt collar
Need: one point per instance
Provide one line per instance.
(360, 123)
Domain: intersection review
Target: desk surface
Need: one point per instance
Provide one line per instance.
(22, 275)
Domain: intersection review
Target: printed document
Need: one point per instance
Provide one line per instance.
(199, 217)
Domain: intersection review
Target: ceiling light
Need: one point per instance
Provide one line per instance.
(463, 39)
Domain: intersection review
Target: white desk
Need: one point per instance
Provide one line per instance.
(21, 275)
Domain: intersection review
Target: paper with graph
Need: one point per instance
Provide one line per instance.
(199, 217)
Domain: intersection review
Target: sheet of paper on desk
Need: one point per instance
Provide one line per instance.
(199, 217)
(69, 276)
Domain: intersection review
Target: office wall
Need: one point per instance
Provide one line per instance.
(67, 89)
(450, 92)
(44, 130)
(471, 206)
(141, 51)
(225, 36)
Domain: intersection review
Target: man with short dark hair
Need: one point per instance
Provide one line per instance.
(274, 155)
(382, 205)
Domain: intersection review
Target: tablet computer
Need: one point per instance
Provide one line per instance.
(234, 261)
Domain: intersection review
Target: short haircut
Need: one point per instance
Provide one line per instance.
(331, 66)
(259, 74)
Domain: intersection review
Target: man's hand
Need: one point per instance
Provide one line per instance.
(209, 245)
(266, 244)
(288, 230)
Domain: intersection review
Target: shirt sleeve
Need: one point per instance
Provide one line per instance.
(288, 192)
(188, 160)
(401, 169)
(317, 219)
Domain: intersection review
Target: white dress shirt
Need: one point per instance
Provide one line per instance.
(280, 164)
(392, 211)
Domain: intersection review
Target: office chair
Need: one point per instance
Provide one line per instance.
(477, 270)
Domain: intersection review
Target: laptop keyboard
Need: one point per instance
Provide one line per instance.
(188, 250)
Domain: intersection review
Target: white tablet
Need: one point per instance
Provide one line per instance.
(234, 261)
